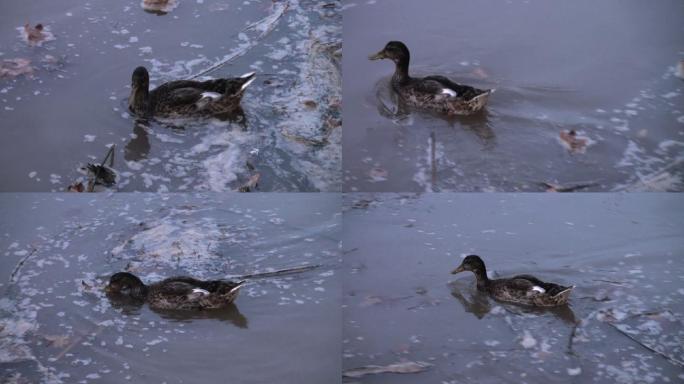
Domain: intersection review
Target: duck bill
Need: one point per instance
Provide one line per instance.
(378, 56)
(458, 270)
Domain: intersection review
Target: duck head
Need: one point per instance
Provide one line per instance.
(395, 51)
(127, 285)
(140, 78)
(140, 84)
(471, 263)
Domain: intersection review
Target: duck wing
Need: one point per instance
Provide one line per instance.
(216, 85)
(550, 289)
(178, 97)
(442, 85)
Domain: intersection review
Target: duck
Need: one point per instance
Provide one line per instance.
(436, 93)
(573, 141)
(159, 7)
(186, 98)
(174, 293)
(34, 34)
(521, 289)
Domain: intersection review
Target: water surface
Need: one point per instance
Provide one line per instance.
(74, 105)
(604, 70)
(622, 252)
(56, 325)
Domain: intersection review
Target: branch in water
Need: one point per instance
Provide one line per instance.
(20, 264)
(634, 339)
(280, 272)
(265, 26)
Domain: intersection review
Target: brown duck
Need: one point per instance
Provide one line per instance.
(436, 93)
(180, 292)
(186, 98)
(521, 289)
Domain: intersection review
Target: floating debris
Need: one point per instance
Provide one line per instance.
(97, 175)
(403, 367)
(35, 36)
(680, 69)
(550, 187)
(16, 67)
(251, 184)
(76, 187)
(159, 7)
(573, 141)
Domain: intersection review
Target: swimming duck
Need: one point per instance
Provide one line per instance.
(34, 34)
(186, 97)
(521, 289)
(159, 7)
(435, 93)
(180, 292)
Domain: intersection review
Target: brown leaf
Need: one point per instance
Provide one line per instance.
(402, 367)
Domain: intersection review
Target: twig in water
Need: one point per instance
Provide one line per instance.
(571, 339)
(265, 26)
(634, 339)
(20, 264)
(433, 151)
(280, 272)
(611, 281)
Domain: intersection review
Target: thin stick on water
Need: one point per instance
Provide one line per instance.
(20, 264)
(634, 339)
(433, 151)
(571, 339)
(281, 272)
(269, 22)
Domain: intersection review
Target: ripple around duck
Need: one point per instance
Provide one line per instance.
(57, 325)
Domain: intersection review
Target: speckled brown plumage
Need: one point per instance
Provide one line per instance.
(520, 289)
(435, 93)
(180, 292)
(185, 98)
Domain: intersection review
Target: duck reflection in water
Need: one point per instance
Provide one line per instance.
(480, 304)
(178, 298)
(138, 147)
(394, 108)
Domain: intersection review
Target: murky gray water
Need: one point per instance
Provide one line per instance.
(56, 326)
(605, 70)
(623, 253)
(74, 105)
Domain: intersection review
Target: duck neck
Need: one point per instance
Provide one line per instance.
(138, 102)
(140, 292)
(401, 71)
(482, 279)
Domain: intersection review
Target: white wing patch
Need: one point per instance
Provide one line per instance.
(247, 75)
(200, 291)
(247, 83)
(450, 92)
(211, 95)
(539, 289)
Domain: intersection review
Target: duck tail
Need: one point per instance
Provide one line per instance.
(564, 294)
(237, 287)
(247, 79)
(482, 97)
